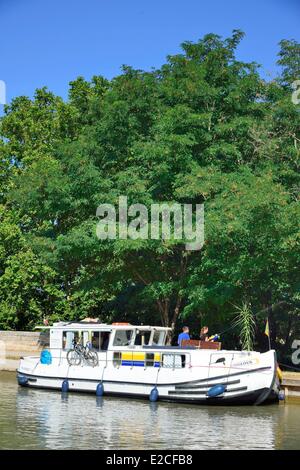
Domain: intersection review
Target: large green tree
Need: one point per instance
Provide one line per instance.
(204, 128)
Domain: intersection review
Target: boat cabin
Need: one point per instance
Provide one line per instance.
(102, 337)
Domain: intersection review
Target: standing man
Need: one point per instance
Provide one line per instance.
(184, 335)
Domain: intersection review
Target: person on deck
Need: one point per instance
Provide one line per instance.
(204, 333)
(184, 335)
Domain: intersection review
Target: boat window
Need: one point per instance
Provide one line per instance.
(104, 340)
(117, 359)
(86, 338)
(149, 360)
(173, 361)
(142, 338)
(69, 337)
(158, 338)
(95, 340)
(123, 337)
(80, 337)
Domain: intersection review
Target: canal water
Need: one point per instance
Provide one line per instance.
(38, 419)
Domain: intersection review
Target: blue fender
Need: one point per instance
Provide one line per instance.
(22, 380)
(153, 394)
(65, 386)
(216, 390)
(100, 390)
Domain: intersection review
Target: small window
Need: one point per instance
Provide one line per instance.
(173, 361)
(69, 337)
(149, 360)
(95, 340)
(142, 338)
(117, 359)
(86, 338)
(123, 337)
(158, 338)
(104, 340)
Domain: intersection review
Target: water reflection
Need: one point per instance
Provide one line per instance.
(99, 402)
(85, 421)
(44, 419)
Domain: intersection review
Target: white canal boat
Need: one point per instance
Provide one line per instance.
(128, 360)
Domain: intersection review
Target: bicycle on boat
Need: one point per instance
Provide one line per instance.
(80, 354)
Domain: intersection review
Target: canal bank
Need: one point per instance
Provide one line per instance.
(291, 386)
(14, 344)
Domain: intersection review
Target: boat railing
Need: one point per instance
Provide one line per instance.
(176, 359)
(168, 359)
(219, 360)
(61, 355)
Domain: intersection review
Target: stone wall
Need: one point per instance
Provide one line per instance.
(14, 344)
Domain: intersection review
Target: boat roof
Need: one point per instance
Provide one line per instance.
(83, 325)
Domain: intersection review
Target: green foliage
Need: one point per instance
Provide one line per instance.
(289, 59)
(245, 323)
(205, 127)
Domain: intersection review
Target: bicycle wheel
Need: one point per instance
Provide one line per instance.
(92, 358)
(73, 357)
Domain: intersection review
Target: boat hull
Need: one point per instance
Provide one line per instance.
(242, 386)
(247, 398)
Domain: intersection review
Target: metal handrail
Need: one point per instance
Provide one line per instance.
(119, 359)
(61, 359)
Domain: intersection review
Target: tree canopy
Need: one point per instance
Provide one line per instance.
(205, 127)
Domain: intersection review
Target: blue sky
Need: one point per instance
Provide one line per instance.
(50, 42)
